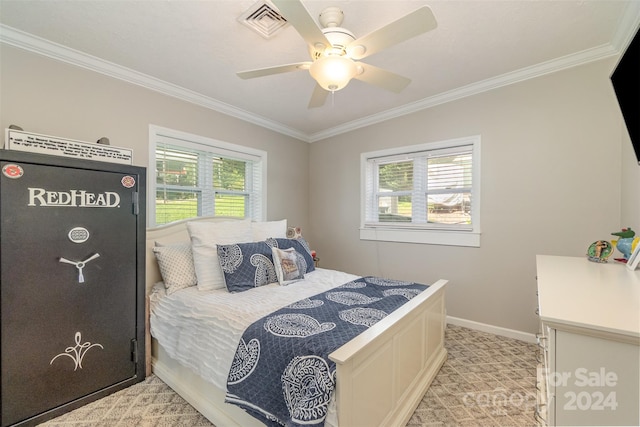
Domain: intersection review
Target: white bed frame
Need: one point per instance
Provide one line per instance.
(382, 374)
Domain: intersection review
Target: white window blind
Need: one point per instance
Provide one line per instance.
(196, 176)
(430, 187)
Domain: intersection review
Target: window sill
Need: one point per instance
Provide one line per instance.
(429, 237)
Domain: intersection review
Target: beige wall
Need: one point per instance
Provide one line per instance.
(551, 184)
(53, 98)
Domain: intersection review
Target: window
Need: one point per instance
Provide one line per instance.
(197, 176)
(428, 193)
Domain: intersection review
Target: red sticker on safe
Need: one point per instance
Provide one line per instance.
(12, 171)
(128, 181)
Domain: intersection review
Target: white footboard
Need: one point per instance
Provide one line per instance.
(383, 373)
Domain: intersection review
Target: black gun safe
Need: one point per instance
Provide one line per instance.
(72, 235)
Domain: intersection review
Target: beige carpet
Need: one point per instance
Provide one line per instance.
(149, 403)
(487, 380)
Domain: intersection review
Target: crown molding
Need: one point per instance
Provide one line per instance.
(38, 45)
(627, 27)
(537, 70)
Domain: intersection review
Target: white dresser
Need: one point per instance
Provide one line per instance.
(590, 339)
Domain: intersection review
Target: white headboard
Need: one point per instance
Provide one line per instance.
(168, 233)
(173, 232)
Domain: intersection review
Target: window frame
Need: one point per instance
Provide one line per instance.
(423, 233)
(215, 148)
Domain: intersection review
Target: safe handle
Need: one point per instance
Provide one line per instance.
(79, 265)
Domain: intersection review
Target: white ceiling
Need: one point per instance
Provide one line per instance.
(192, 50)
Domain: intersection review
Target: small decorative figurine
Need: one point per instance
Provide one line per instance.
(599, 251)
(626, 243)
(294, 232)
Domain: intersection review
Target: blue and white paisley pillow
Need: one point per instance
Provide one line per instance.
(246, 265)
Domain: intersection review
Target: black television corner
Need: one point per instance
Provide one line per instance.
(626, 83)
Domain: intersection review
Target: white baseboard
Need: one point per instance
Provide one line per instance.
(496, 330)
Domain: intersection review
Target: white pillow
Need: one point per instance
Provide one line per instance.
(287, 265)
(176, 266)
(204, 238)
(263, 230)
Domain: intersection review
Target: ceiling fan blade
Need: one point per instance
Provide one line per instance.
(318, 97)
(298, 16)
(415, 23)
(382, 78)
(261, 72)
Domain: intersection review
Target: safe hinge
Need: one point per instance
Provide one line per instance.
(134, 350)
(136, 208)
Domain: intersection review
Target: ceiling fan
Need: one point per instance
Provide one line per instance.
(335, 51)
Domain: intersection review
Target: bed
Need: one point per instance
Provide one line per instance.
(381, 374)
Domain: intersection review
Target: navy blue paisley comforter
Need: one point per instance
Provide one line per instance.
(281, 372)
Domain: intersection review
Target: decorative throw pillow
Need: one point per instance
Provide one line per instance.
(288, 264)
(204, 238)
(302, 247)
(263, 230)
(176, 266)
(246, 265)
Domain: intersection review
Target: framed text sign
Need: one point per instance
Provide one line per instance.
(43, 144)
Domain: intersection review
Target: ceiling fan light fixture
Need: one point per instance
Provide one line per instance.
(333, 72)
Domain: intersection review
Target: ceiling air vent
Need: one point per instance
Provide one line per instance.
(264, 19)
